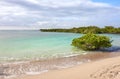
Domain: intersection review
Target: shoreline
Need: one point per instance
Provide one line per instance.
(41, 66)
(107, 68)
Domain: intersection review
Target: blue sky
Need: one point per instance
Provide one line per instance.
(36, 14)
(112, 2)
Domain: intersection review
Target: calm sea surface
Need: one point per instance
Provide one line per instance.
(21, 45)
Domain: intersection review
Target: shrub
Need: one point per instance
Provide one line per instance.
(92, 42)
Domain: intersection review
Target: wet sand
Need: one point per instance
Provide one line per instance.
(38, 66)
(108, 68)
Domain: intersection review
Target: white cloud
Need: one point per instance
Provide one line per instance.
(66, 3)
(33, 1)
(57, 13)
(42, 22)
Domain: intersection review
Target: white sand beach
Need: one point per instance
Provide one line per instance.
(108, 68)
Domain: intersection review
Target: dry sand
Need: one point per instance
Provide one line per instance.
(102, 69)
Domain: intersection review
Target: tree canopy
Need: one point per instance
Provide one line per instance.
(92, 42)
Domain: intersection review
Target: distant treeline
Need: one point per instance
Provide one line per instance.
(88, 29)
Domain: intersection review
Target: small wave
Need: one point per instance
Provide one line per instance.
(37, 67)
(71, 55)
(36, 73)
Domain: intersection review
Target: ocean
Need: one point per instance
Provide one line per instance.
(28, 45)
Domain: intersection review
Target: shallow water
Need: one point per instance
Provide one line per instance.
(28, 45)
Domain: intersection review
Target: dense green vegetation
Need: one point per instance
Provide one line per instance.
(92, 42)
(89, 29)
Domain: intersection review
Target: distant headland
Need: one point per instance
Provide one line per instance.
(86, 29)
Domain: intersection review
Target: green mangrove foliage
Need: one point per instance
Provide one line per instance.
(89, 29)
(92, 42)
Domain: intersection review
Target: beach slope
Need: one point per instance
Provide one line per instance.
(102, 69)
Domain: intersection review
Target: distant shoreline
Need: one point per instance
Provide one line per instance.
(84, 30)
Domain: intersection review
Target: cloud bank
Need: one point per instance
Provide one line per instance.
(35, 14)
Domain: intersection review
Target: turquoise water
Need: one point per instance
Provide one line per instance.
(20, 45)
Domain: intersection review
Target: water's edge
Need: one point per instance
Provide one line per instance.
(14, 69)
